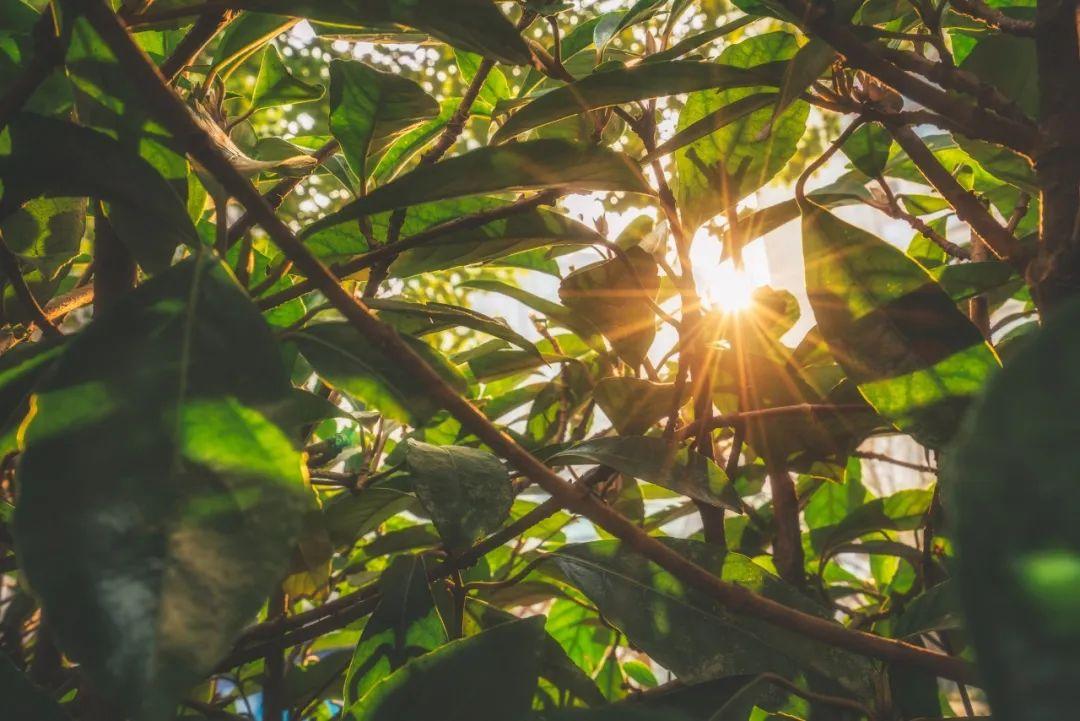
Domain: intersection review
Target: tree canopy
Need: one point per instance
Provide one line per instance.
(389, 360)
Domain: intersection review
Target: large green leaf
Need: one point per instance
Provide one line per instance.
(421, 318)
(915, 357)
(726, 165)
(368, 105)
(404, 625)
(348, 361)
(46, 234)
(538, 228)
(902, 511)
(487, 677)
(475, 25)
(149, 477)
(466, 491)
(536, 165)
(348, 516)
(54, 158)
(618, 296)
(634, 404)
(689, 633)
(626, 85)
(20, 370)
(650, 459)
(275, 85)
(1011, 484)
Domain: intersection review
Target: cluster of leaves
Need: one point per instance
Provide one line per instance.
(223, 497)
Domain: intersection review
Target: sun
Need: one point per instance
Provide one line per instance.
(727, 288)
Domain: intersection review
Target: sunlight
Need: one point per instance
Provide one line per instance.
(726, 288)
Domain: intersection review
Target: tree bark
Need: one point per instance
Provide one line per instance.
(1055, 274)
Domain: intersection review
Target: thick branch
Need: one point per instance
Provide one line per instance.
(968, 208)
(173, 113)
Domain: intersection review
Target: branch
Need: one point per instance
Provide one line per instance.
(968, 208)
(953, 78)
(206, 27)
(891, 207)
(175, 116)
(978, 122)
(994, 18)
(737, 420)
(281, 190)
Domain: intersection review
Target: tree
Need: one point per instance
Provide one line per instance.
(284, 468)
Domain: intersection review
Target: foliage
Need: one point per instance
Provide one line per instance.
(299, 456)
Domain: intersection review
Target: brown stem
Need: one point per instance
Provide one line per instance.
(274, 683)
(9, 263)
(994, 18)
(115, 271)
(174, 115)
(968, 208)
(187, 50)
(1055, 274)
(787, 546)
(893, 209)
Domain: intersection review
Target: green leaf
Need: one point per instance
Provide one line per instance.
(46, 233)
(634, 404)
(965, 280)
(936, 609)
(422, 318)
(24, 700)
(349, 362)
(915, 357)
(1008, 63)
(811, 60)
(693, 42)
(473, 679)
(494, 88)
(724, 166)
(148, 472)
(868, 149)
(275, 85)
(686, 631)
(627, 85)
(902, 511)
(404, 625)
(712, 122)
(474, 25)
(618, 296)
(407, 145)
(53, 158)
(465, 490)
(650, 459)
(368, 105)
(350, 516)
(538, 228)
(536, 165)
(243, 38)
(1011, 482)
(20, 370)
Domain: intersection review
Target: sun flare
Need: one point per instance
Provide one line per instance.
(730, 289)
